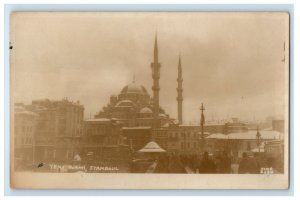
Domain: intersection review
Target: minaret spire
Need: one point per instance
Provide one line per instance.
(155, 66)
(155, 50)
(179, 91)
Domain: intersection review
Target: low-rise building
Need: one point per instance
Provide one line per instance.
(238, 143)
(184, 139)
(278, 125)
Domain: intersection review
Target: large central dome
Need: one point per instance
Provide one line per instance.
(134, 88)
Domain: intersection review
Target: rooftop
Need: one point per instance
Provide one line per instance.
(250, 135)
(146, 110)
(152, 147)
(136, 127)
(26, 112)
(98, 120)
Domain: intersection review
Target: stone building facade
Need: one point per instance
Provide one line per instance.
(59, 130)
(24, 129)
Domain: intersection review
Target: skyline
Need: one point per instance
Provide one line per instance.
(87, 54)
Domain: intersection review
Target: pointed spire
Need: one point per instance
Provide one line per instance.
(155, 49)
(179, 66)
(155, 66)
(179, 91)
(179, 62)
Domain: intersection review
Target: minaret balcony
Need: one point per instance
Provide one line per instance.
(155, 76)
(155, 65)
(155, 88)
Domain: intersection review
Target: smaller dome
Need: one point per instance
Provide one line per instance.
(176, 121)
(162, 115)
(146, 110)
(124, 103)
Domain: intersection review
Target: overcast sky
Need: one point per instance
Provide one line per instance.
(233, 63)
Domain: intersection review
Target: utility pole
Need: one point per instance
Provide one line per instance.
(258, 137)
(184, 139)
(202, 121)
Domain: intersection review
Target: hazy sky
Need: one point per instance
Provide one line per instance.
(233, 63)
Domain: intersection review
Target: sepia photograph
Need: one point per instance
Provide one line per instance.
(149, 100)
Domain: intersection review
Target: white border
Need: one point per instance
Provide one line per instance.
(296, 70)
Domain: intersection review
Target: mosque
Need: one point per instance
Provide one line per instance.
(134, 106)
(139, 114)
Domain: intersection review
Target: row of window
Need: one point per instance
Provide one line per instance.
(102, 130)
(105, 140)
(272, 149)
(189, 145)
(26, 141)
(143, 123)
(186, 134)
(51, 154)
(23, 129)
(24, 120)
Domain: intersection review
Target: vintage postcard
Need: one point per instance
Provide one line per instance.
(149, 100)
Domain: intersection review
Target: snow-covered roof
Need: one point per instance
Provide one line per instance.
(175, 121)
(268, 129)
(217, 136)
(213, 124)
(252, 135)
(205, 133)
(162, 115)
(166, 125)
(145, 110)
(136, 127)
(189, 124)
(249, 135)
(152, 147)
(98, 120)
(255, 150)
(26, 112)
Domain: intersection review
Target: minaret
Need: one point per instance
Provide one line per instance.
(155, 65)
(179, 91)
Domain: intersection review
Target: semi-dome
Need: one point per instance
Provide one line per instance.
(146, 110)
(125, 103)
(134, 88)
